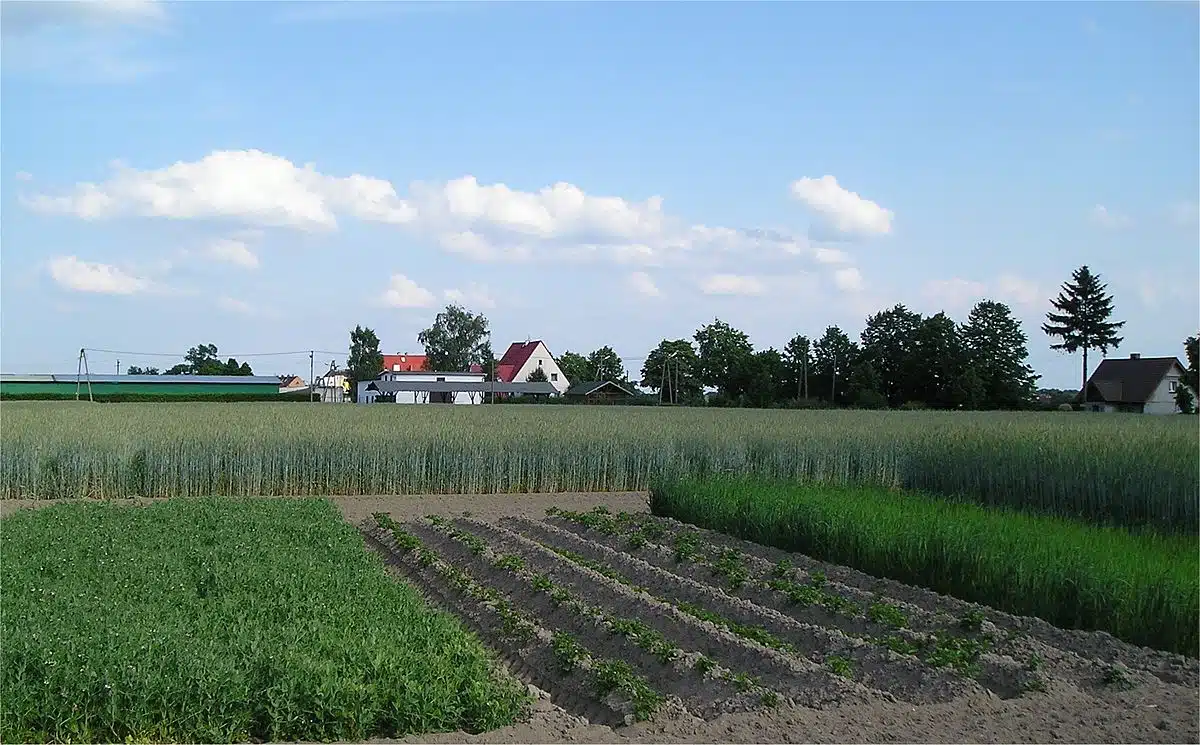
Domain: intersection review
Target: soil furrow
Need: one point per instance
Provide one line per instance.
(875, 666)
(797, 680)
(772, 586)
(703, 691)
(1049, 641)
(571, 687)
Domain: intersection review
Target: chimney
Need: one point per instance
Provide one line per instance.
(1135, 356)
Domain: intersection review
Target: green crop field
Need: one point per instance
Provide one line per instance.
(1144, 589)
(224, 620)
(1122, 469)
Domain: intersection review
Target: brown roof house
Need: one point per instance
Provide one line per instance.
(1143, 385)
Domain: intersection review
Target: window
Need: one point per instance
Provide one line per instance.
(395, 368)
(441, 380)
(539, 363)
(554, 377)
(1172, 386)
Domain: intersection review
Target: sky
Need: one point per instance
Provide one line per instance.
(267, 176)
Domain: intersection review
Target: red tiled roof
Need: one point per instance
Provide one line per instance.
(515, 358)
(476, 367)
(407, 362)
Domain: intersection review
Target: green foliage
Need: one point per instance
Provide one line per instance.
(996, 347)
(1082, 321)
(537, 376)
(833, 356)
(575, 367)
(223, 620)
(888, 347)
(1122, 470)
(673, 369)
(1185, 400)
(365, 361)
(202, 360)
(135, 370)
(456, 340)
(606, 364)
(722, 350)
(1191, 375)
(1141, 588)
(865, 387)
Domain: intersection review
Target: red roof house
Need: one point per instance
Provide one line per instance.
(521, 359)
(403, 362)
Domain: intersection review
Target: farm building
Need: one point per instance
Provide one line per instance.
(155, 385)
(519, 362)
(1143, 385)
(598, 392)
(441, 388)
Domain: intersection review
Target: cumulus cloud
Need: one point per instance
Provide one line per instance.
(1106, 218)
(86, 276)
(402, 292)
(958, 294)
(848, 279)
(481, 222)
(472, 296)
(840, 212)
(731, 284)
(643, 284)
(250, 185)
(232, 251)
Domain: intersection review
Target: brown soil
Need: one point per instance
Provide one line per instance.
(1035, 683)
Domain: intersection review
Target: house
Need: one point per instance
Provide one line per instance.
(290, 382)
(598, 392)
(333, 386)
(441, 387)
(1135, 384)
(404, 362)
(521, 359)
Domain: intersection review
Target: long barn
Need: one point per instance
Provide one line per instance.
(15, 386)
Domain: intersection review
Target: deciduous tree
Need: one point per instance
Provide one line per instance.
(575, 367)
(672, 368)
(456, 340)
(997, 353)
(888, 342)
(722, 349)
(1082, 321)
(797, 360)
(1191, 376)
(606, 364)
(365, 361)
(833, 357)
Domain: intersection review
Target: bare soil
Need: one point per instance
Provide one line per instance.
(1027, 681)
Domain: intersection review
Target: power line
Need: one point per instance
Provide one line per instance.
(181, 356)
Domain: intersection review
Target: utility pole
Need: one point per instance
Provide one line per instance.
(118, 366)
(806, 375)
(310, 376)
(833, 381)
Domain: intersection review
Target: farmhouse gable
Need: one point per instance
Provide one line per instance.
(1135, 384)
(521, 359)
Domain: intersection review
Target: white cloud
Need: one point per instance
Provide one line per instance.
(830, 256)
(1108, 219)
(731, 284)
(643, 284)
(233, 305)
(250, 185)
(839, 210)
(86, 276)
(21, 18)
(402, 292)
(482, 222)
(473, 296)
(848, 279)
(958, 294)
(232, 251)
(24, 176)
(1185, 214)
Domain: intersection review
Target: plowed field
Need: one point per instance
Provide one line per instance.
(637, 627)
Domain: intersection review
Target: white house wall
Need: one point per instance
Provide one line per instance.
(542, 355)
(1162, 401)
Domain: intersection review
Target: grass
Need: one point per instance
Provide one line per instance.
(1142, 588)
(224, 620)
(1128, 470)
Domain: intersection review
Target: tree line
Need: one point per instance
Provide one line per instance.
(201, 359)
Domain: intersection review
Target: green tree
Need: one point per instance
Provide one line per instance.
(1185, 400)
(1191, 376)
(135, 370)
(761, 378)
(606, 364)
(365, 361)
(575, 367)
(722, 349)
(537, 376)
(456, 340)
(202, 360)
(938, 363)
(864, 388)
(1082, 321)
(887, 342)
(797, 360)
(834, 355)
(997, 352)
(672, 368)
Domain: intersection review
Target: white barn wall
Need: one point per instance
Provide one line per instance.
(541, 357)
(422, 397)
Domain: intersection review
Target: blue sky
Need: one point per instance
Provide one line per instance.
(264, 176)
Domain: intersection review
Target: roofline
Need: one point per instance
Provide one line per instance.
(272, 380)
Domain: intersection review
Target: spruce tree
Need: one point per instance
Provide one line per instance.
(1082, 320)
